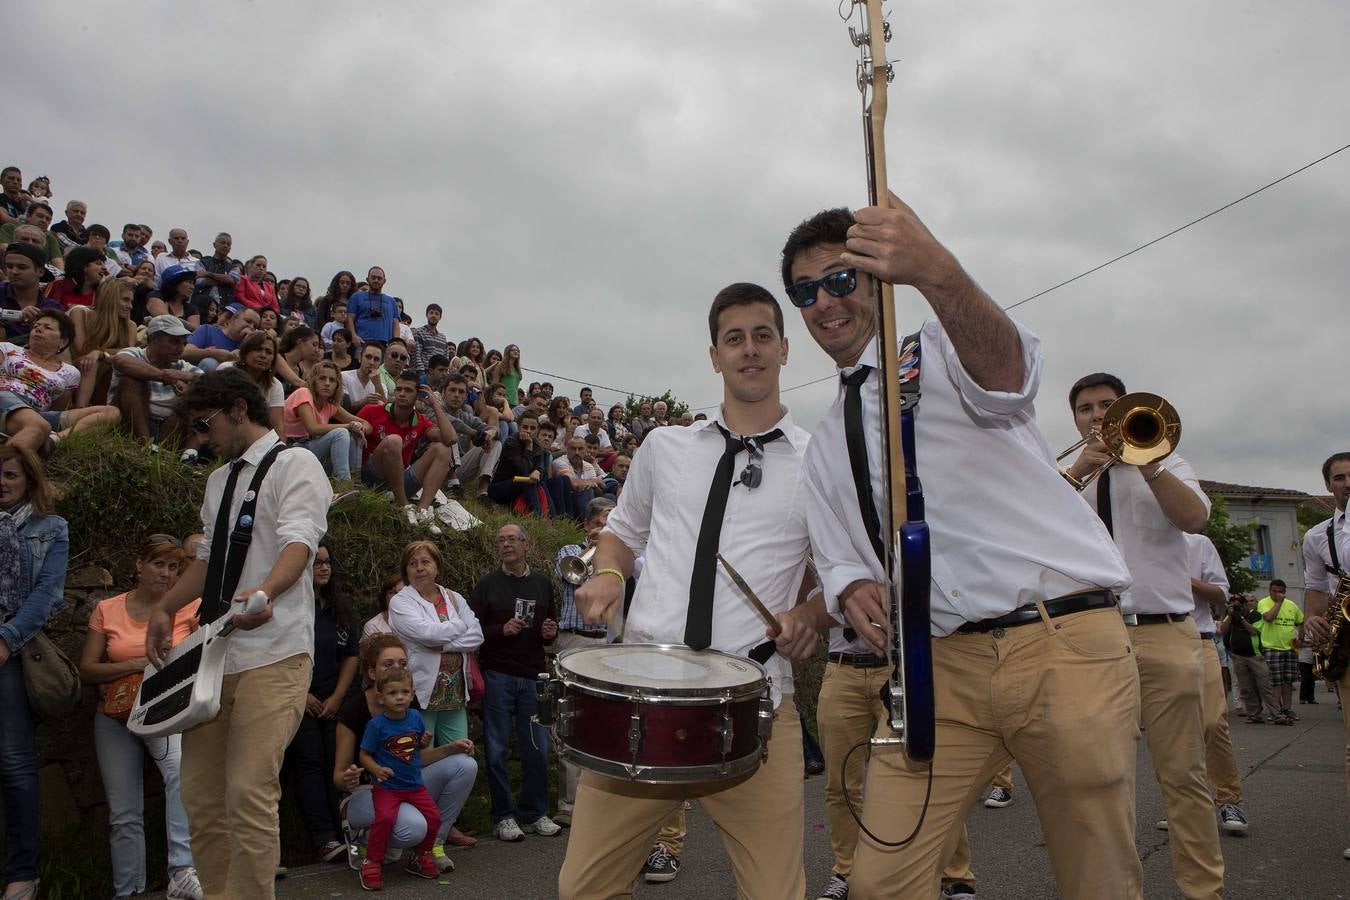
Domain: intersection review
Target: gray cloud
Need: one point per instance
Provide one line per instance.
(580, 178)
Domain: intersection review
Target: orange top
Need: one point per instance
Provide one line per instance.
(125, 636)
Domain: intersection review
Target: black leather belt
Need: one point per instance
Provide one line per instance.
(1154, 618)
(860, 660)
(1059, 606)
(1207, 635)
(598, 633)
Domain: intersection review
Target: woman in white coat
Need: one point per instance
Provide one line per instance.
(439, 632)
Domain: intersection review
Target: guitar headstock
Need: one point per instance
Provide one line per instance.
(870, 32)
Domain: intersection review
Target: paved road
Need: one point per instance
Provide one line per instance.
(1294, 780)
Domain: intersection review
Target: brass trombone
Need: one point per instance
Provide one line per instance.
(576, 569)
(1138, 429)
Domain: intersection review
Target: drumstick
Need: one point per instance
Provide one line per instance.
(774, 628)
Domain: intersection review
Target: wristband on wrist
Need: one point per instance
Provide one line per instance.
(611, 571)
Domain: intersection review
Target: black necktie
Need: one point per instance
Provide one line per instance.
(1104, 500)
(213, 605)
(856, 439)
(703, 580)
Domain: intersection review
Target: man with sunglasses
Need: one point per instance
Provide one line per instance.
(730, 485)
(396, 359)
(1030, 657)
(231, 765)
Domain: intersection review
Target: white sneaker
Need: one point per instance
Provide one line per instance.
(998, 798)
(183, 885)
(427, 518)
(543, 826)
(508, 830)
(1161, 825)
(410, 513)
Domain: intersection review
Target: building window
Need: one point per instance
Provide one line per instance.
(1260, 561)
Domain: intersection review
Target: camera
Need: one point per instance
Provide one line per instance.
(11, 315)
(525, 611)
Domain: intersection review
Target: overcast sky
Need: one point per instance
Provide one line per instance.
(580, 178)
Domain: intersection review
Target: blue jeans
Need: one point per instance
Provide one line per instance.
(339, 452)
(18, 775)
(506, 696)
(448, 780)
(121, 761)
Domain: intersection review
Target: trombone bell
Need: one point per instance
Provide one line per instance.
(576, 569)
(1138, 429)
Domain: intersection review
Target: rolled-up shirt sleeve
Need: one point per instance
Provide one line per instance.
(837, 560)
(631, 520)
(985, 403)
(302, 497)
(1315, 575)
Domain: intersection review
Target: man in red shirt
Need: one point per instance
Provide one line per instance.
(396, 429)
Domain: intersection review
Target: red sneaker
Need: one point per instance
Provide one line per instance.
(423, 865)
(372, 879)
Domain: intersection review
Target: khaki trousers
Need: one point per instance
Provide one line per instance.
(1343, 686)
(231, 779)
(848, 711)
(760, 817)
(1003, 779)
(1061, 696)
(569, 772)
(672, 831)
(1171, 693)
(1220, 760)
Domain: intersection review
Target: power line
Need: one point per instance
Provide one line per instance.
(1038, 294)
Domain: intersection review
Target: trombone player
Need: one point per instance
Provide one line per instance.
(1149, 509)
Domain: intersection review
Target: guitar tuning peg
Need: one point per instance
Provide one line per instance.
(864, 74)
(857, 37)
(886, 31)
(890, 73)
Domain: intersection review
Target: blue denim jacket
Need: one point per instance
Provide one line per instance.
(42, 579)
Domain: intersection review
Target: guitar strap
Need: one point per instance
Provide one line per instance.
(227, 557)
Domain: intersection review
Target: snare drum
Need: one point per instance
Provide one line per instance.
(658, 713)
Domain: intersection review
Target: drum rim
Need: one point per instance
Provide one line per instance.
(643, 774)
(572, 678)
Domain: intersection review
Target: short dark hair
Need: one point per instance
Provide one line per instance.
(435, 306)
(1279, 582)
(395, 339)
(742, 293)
(456, 378)
(437, 360)
(130, 225)
(36, 205)
(592, 439)
(221, 389)
(1096, 379)
(585, 389)
(63, 324)
(829, 226)
(408, 375)
(7, 169)
(1342, 456)
(77, 259)
(528, 414)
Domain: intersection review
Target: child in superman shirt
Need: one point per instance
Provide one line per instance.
(391, 753)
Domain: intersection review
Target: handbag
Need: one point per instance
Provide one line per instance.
(50, 678)
(121, 697)
(476, 684)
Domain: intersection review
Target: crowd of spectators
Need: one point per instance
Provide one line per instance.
(102, 331)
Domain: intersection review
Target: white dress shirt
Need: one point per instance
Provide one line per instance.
(1342, 539)
(1203, 561)
(1007, 529)
(1154, 548)
(425, 637)
(763, 536)
(292, 509)
(1317, 574)
(164, 260)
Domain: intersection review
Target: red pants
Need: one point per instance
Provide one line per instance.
(386, 811)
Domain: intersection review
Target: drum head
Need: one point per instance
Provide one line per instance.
(662, 668)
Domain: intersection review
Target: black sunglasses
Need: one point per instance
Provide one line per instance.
(203, 426)
(753, 474)
(836, 284)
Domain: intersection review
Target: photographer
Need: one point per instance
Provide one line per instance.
(1242, 637)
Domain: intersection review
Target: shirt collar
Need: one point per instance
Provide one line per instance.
(258, 449)
(784, 424)
(869, 357)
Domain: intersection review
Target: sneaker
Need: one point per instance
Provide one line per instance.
(1257, 719)
(1346, 853)
(1161, 825)
(410, 513)
(280, 873)
(563, 817)
(542, 826)
(1283, 720)
(815, 767)
(1293, 715)
(661, 865)
(959, 889)
(372, 879)
(331, 851)
(443, 862)
(423, 865)
(508, 830)
(1231, 819)
(183, 885)
(427, 519)
(836, 889)
(998, 798)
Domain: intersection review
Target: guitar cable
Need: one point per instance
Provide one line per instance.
(853, 810)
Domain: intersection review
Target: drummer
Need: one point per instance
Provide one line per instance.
(730, 485)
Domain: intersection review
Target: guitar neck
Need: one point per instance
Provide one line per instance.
(874, 121)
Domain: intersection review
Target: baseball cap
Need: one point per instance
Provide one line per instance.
(167, 324)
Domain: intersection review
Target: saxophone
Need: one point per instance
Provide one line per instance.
(1330, 657)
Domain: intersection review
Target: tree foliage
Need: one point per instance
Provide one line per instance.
(1234, 543)
(674, 406)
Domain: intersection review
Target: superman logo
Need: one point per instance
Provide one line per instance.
(403, 746)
